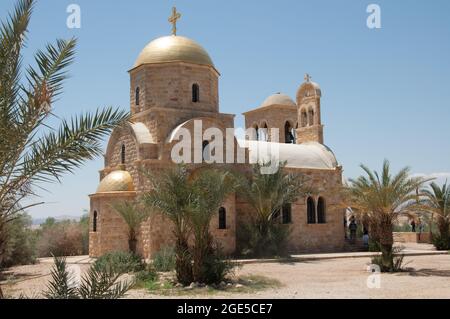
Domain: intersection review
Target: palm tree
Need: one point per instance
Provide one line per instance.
(382, 198)
(267, 194)
(133, 216)
(437, 201)
(33, 152)
(171, 195)
(211, 187)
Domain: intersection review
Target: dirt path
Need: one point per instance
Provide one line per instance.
(331, 278)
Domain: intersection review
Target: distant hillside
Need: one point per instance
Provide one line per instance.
(39, 221)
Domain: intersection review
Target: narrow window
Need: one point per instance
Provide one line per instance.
(257, 132)
(288, 134)
(304, 119)
(137, 96)
(123, 154)
(195, 93)
(94, 222)
(264, 133)
(321, 211)
(311, 210)
(287, 214)
(311, 117)
(222, 218)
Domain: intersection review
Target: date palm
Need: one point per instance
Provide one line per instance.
(32, 151)
(382, 198)
(266, 195)
(211, 187)
(437, 201)
(171, 195)
(133, 215)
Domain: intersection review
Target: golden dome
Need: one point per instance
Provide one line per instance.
(173, 48)
(117, 181)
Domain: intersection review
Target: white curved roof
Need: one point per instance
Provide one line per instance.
(278, 99)
(306, 155)
(142, 133)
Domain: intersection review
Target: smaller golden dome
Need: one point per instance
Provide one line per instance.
(117, 181)
(173, 48)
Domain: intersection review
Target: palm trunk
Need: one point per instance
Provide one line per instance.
(386, 244)
(183, 262)
(202, 251)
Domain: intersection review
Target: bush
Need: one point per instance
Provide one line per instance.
(216, 268)
(441, 243)
(397, 264)
(164, 260)
(61, 239)
(251, 243)
(97, 283)
(20, 247)
(121, 262)
(374, 246)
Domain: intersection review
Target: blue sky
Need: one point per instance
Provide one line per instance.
(386, 92)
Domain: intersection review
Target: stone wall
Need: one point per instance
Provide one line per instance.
(170, 85)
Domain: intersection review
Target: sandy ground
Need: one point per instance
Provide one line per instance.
(427, 277)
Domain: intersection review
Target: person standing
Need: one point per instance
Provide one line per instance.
(413, 226)
(353, 227)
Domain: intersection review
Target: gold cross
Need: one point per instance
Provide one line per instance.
(173, 19)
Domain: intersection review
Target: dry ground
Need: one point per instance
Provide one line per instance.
(427, 277)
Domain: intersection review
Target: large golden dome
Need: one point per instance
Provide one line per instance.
(173, 48)
(117, 181)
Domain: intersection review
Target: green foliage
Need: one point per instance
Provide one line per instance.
(441, 243)
(214, 268)
(164, 260)
(33, 150)
(374, 246)
(120, 262)
(60, 286)
(134, 216)
(253, 243)
(20, 247)
(98, 283)
(266, 194)
(397, 264)
(380, 198)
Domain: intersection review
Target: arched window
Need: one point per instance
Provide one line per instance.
(137, 96)
(222, 218)
(304, 119)
(287, 214)
(311, 210)
(206, 151)
(256, 133)
(195, 93)
(321, 211)
(94, 222)
(263, 133)
(123, 154)
(288, 134)
(311, 117)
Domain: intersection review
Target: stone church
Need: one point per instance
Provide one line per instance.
(173, 84)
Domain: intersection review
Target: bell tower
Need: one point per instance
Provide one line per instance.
(310, 128)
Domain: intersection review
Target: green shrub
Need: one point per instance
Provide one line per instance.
(441, 243)
(374, 246)
(397, 264)
(216, 268)
(121, 262)
(97, 283)
(251, 243)
(20, 246)
(164, 260)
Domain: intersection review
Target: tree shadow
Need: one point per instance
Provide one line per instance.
(426, 272)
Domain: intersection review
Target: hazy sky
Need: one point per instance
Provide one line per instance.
(386, 91)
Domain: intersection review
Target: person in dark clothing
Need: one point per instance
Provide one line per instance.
(413, 226)
(353, 227)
